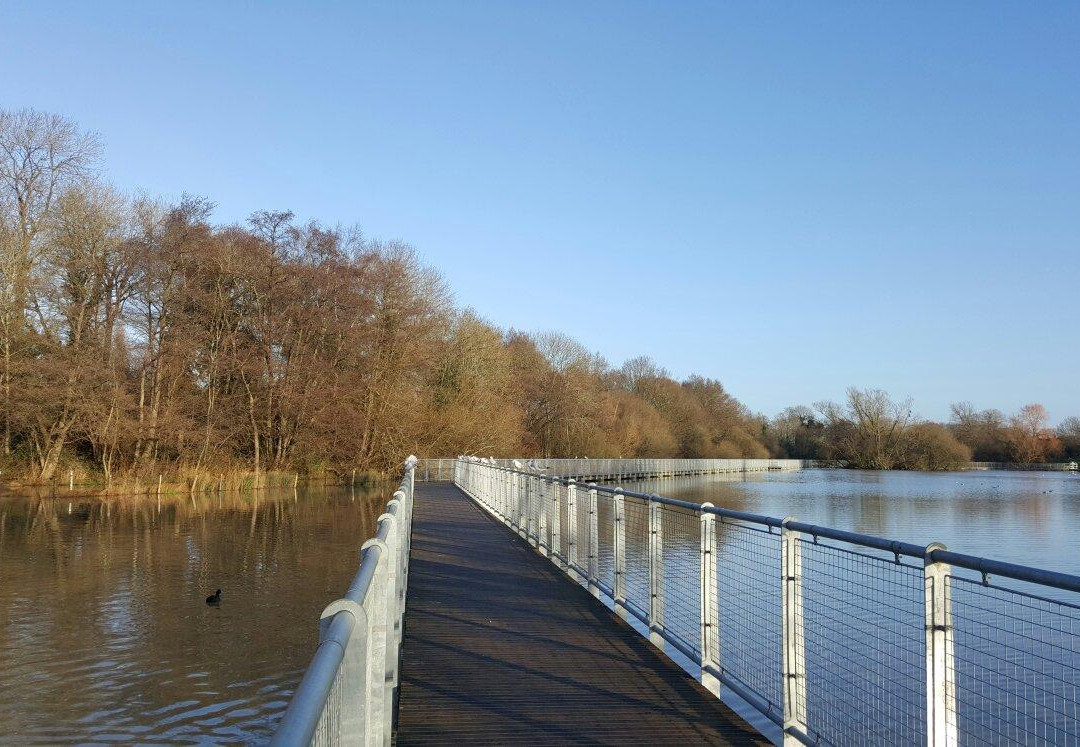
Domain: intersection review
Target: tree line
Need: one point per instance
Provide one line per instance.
(872, 431)
(137, 337)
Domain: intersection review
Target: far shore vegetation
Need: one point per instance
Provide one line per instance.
(141, 342)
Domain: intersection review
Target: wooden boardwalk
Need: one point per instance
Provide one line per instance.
(501, 647)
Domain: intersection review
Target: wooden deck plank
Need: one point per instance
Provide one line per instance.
(501, 647)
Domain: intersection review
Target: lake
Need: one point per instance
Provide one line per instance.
(105, 635)
(1032, 518)
(104, 631)
(1016, 647)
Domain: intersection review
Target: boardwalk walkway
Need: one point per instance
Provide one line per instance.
(500, 647)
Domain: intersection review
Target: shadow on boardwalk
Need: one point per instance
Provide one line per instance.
(501, 647)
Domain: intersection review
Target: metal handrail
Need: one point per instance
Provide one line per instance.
(615, 468)
(976, 563)
(348, 692)
(558, 516)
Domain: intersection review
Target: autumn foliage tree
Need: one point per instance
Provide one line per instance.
(1024, 437)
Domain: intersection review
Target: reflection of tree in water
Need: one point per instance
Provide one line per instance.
(102, 615)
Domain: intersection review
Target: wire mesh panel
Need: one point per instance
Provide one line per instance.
(329, 729)
(748, 606)
(636, 513)
(1017, 659)
(682, 568)
(864, 647)
(605, 512)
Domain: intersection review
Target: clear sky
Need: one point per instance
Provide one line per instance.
(790, 197)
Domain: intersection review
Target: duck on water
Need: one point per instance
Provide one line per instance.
(214, 599)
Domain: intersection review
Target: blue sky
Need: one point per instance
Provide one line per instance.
(790, 197)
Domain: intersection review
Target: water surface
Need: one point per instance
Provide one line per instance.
(1016, 651)
(1032, 518)
(104, 632)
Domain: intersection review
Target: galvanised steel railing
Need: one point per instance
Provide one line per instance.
(1026, 466)
(609, 469)
(432, 469)
(347, 695)
(435, 469)
(835, 636)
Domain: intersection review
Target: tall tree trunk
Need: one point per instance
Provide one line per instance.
(53, 448)
(6, 376)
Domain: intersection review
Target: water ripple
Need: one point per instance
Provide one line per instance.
(104, 634)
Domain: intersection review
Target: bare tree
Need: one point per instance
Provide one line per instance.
(1069, 433)
(41, 155)
(868, 432)
(799, 433)
(79, 381)
(135, 337)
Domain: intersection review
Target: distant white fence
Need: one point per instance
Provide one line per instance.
(626, 469)
(1032, 467)
(629, 469)
(435, 470)
(620, 469)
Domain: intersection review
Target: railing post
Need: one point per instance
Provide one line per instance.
(794, 650)
(406, 533)
(507, 488)
(619, 522)
(513, 516)
(594, 539)
(530, 515)
(524, 489)
(392, 635)
(395, 576)
(379, 712)
(534, 518)
(543, 535)
(556, 526)
(710, 631)
(571, 528)
(354, 631)
(656, 573)
(940, 662)
(381, 697)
